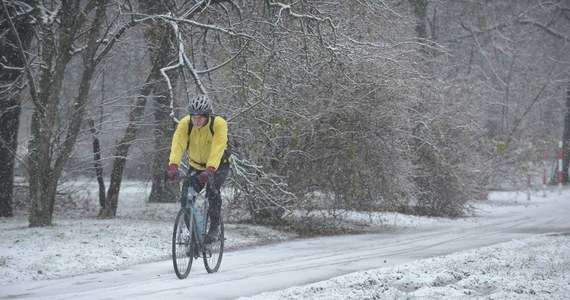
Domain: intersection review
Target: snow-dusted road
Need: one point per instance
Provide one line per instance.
(275, 267)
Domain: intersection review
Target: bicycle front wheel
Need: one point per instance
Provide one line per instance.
(214, 251)
(183, 243)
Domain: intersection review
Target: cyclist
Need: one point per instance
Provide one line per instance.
(205, 137)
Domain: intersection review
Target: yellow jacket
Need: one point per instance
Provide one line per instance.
(204, 149)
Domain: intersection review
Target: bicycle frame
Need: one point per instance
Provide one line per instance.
(199, 214)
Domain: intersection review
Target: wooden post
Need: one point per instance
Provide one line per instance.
(560, 174)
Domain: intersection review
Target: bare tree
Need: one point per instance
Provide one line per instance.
(510, 59)
(59, 26)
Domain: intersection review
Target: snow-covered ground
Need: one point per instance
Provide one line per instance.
(535, 267)
(531, 268)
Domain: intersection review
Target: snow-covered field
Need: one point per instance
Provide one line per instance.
(537, 267)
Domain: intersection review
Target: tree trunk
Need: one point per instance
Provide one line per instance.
(97, 162)
(9, 121)
(162, 191)
(17, 34)
(109, 209)
(420, 11)
(42, 179)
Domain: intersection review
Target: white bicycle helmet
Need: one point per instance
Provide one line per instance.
(200, 105)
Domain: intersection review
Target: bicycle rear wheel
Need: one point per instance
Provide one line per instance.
(183, 243)
(213, 252)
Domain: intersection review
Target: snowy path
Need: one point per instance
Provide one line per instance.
(283, 265)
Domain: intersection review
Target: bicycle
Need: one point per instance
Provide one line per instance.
(190, 229)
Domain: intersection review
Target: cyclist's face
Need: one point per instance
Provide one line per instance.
(198, 120)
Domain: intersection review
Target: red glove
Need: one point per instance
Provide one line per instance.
(206, 174)
(172, 172)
